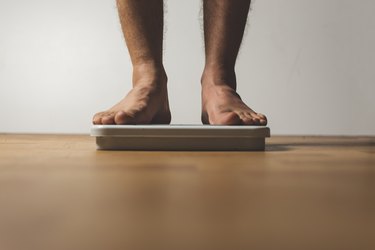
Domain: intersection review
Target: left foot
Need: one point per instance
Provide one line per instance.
(221, 105)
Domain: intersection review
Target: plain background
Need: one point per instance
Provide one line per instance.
(308, 65)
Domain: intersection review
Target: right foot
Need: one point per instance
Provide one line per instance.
(146, 103)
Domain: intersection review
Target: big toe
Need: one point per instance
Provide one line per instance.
(123, 118)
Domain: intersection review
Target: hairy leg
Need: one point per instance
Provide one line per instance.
(147, 102)
(224, 24)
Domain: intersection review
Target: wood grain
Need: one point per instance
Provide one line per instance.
(58, 192)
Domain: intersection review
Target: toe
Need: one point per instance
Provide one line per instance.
(247, 121)
(263, 122)
(261, 116)
(251, 120)
(257, 118)
(108, 119)
(97, 119)
(123, 118)
(263, 119)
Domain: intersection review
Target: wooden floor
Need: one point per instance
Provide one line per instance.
(58, 192)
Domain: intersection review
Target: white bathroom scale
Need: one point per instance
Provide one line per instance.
(180, 137)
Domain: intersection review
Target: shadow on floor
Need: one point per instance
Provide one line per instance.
(327, 142)
(277, 148)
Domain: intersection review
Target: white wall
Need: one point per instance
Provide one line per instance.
(308, 65)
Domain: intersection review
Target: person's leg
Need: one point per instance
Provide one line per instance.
(147, 102)
(224, 24)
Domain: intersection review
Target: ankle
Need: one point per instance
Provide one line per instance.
(149, 73)
(219, 76)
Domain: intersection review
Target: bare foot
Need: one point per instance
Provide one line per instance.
(146, 103)
(221, 105)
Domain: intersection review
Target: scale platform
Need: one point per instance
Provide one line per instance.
(180, 137)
